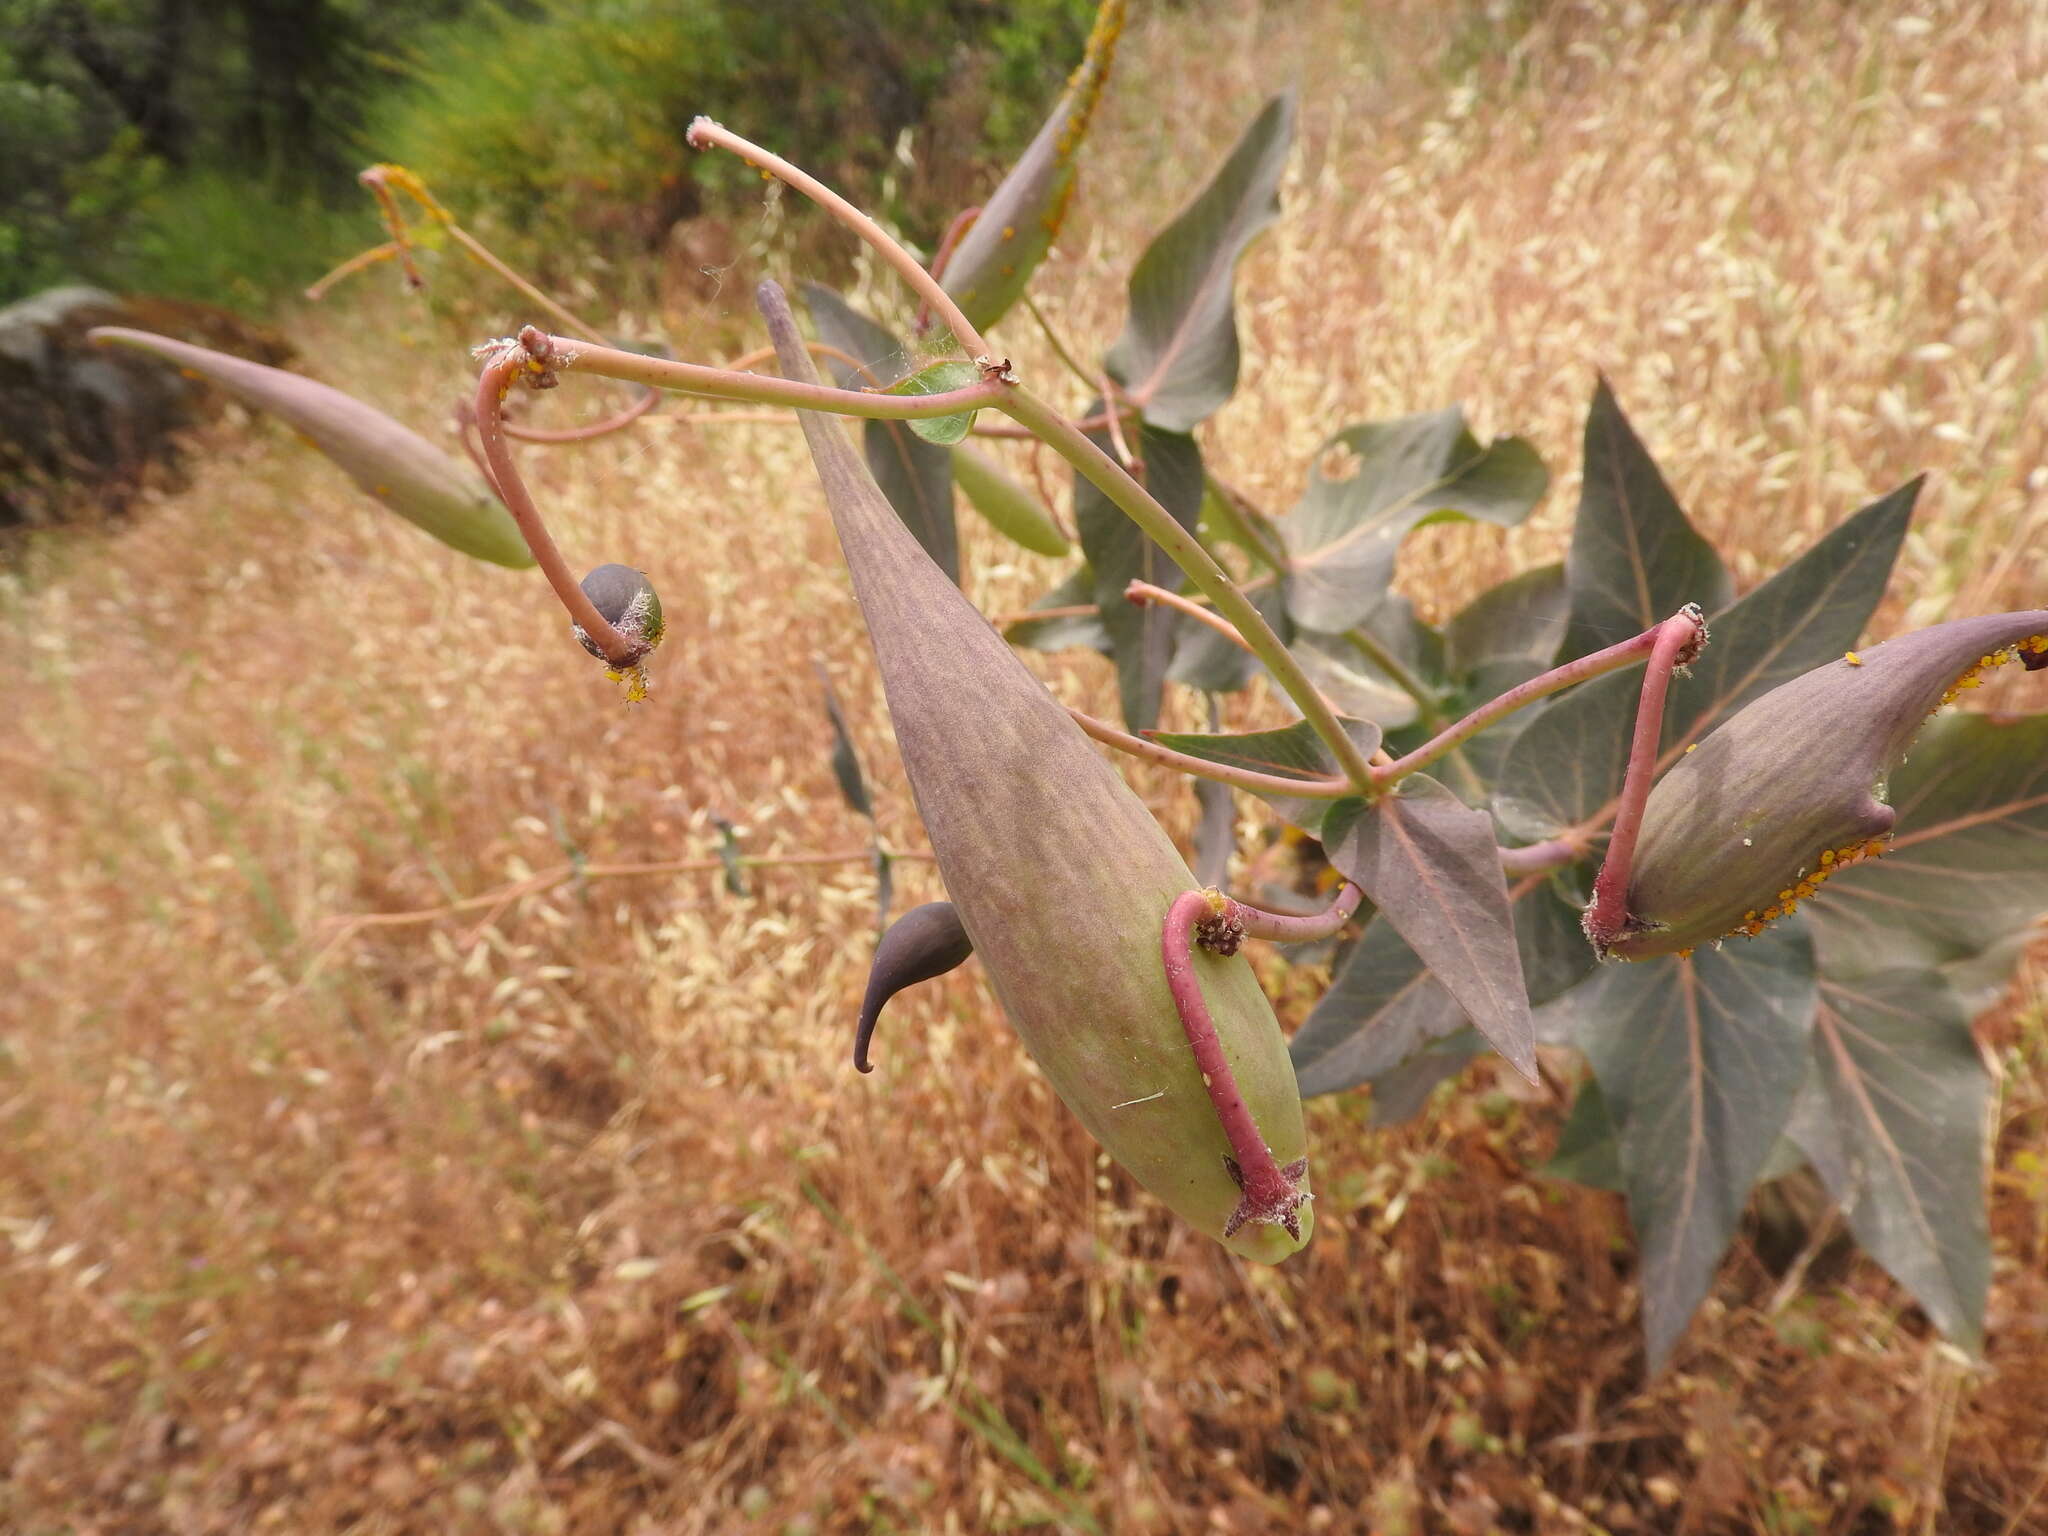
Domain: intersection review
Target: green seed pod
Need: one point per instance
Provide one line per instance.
(1752, 820)
(1059, 875)
(389, 460)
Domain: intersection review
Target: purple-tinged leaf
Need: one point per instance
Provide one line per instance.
(1967, 869)
(994, 261)
(1903, 1095)
(1431, 866)
(915, 475)
(1635, 559)
(1177, 358)
(1344, 535)
(1699, 1061)
(392, 462)
(1142, 638)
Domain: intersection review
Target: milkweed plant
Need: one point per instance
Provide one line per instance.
(1749, 868)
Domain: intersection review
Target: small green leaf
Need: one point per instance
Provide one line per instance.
(916, 476)
(1634, 559)
(1699, 1060)
(1010, 509)
(391, 462)
(729, 856)
(1431, 866)
(1905, 1095)
(940, 379)
(1342, 537)
(1177, 358)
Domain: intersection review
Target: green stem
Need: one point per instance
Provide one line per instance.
(765, 389)
(1201, 768)
(1059, 347)
(1187, 552)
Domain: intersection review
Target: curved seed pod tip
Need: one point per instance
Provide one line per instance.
(924, 942)
(1756, 817)
(1058, 874)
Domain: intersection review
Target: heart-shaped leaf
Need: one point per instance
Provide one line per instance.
(1177, 358)
(1699, 1060)
(1509, 633)
(916, 476)
(1635, 559)
(1342, 537)
(1899, 1136)
(1430, 864)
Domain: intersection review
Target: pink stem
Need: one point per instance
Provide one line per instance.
(1599, 663)
(1272, 1194)
(503, 366)
(1289, 928)
(1223, 773)
(623, 419)
(1678, 640)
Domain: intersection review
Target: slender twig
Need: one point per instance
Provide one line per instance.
(949, 242)
(1144, 592)
(1094, 423)
(1272, 1195)
(1331, 788)
(596, 429)
(1540, 858)
(1294, 928)
(1187, 552)
(504, 363)
(1070, 611)
(759, 355)
(1597, 664)
(704, 133)
(766, 389)
(1373, 650)
(1677, 641)
(361, 261)
(1059, 347)
(1254, 521)
(1124, 456)
(350, 924)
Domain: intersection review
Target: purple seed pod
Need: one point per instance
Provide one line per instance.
(924, 942)
(1059, 875)
(1753, 819)
(387, 459)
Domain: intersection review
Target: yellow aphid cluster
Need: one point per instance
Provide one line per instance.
(1754, 922)
(2033, 645)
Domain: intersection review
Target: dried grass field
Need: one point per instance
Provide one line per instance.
(366, 1168)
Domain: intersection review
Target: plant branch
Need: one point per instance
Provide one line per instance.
(1331, 788)
(1294, 928)
(1187, 552)
(1678, 641)
(362, 261)
(766, 389)
(1060, 350)
(1612, 659)
(704, 133)
(596, 429)
(504, 363)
